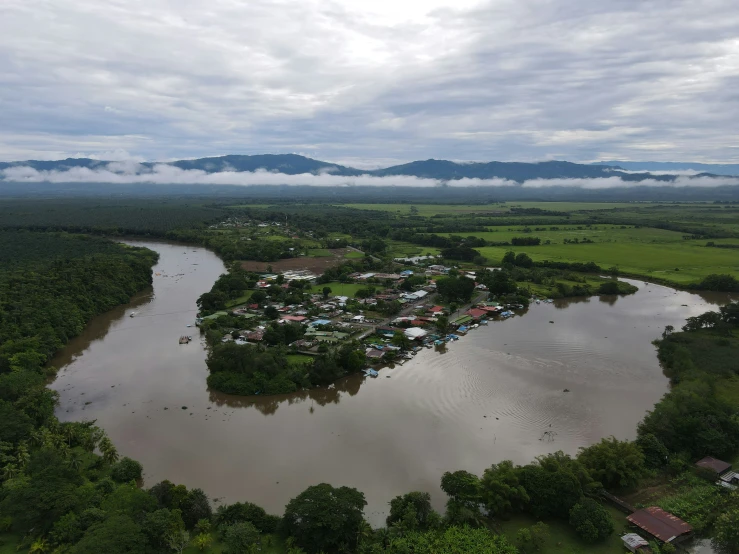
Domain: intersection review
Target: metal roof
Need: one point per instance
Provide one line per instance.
(660, 524)
(633, 540)
(713, 464)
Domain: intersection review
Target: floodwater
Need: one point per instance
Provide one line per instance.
(498, 393)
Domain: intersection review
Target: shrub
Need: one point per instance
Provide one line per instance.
(591, 520)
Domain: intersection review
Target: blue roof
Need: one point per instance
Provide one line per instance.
(321, 322)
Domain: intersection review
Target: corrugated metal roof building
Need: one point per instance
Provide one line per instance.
(660, 524)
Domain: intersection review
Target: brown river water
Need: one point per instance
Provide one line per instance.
(496, 394)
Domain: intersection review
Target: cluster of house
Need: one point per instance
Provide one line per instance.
(656, 523)
(268, 279)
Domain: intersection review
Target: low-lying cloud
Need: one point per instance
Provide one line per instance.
(129, 172)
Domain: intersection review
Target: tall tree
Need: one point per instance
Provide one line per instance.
(324, 518)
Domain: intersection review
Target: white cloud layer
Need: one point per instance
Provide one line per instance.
(133, 172)
(341, 79)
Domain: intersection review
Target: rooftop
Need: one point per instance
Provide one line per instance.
(660, 524)
(712, 464)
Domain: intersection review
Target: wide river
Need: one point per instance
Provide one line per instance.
(559, 377)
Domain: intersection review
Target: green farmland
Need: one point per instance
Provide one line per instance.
(679, 262)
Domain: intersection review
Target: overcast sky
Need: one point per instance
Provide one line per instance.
(371, 83)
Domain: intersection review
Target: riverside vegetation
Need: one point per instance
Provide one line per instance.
(65, 488)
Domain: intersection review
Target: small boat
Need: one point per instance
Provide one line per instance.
(369, 372)
(538, 301)
(483, 322)
(132, 314)
(184, 339)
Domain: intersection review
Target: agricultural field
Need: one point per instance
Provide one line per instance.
(400, 249)
(430, 210)
(678, 262)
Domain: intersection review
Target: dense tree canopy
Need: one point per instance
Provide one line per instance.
(614, 463)
(325, 518)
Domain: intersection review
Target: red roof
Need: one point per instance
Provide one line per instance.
(476, 312)
(293, 318)
(437, 309)
(660, 524)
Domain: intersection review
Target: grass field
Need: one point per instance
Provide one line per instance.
(399, 249)
(240, 300)
(298, 359)
(428, 210)
(692, 260)
(353, 255)
(339, 289)
(563, 539)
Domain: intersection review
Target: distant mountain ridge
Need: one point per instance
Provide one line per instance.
(293, 164)
(716, 169)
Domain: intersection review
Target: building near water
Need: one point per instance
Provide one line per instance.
(661, 525)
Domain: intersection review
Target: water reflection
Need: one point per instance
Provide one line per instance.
(609, 299)
(562, 303)
(267, 405)
(99, 328)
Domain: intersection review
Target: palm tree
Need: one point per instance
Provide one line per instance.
(364, 532)
(22, 456)
(39, 546)
(70, 432)
(384, 535)
(37, 437)
(108, 450)
(74, 462)
(202, 541)
(10, 471)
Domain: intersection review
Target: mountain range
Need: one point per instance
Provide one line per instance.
(716, 169)
(292, 164)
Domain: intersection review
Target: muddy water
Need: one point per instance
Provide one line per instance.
(498, 393)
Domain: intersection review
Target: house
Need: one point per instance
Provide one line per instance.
(358, 319)
(635, 543)
(660, 524)
(713, 465)
(415, 333)
(253, 336)
(718, 468)
(321, 322)
(437, 310)
(476, 313)
(374, 353)
(295, 318)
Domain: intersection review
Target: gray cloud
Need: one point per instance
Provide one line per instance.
(133, 172)
(344, 80)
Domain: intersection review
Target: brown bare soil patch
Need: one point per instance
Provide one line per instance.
(317, 265)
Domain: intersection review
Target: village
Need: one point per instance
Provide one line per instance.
(388, 316)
